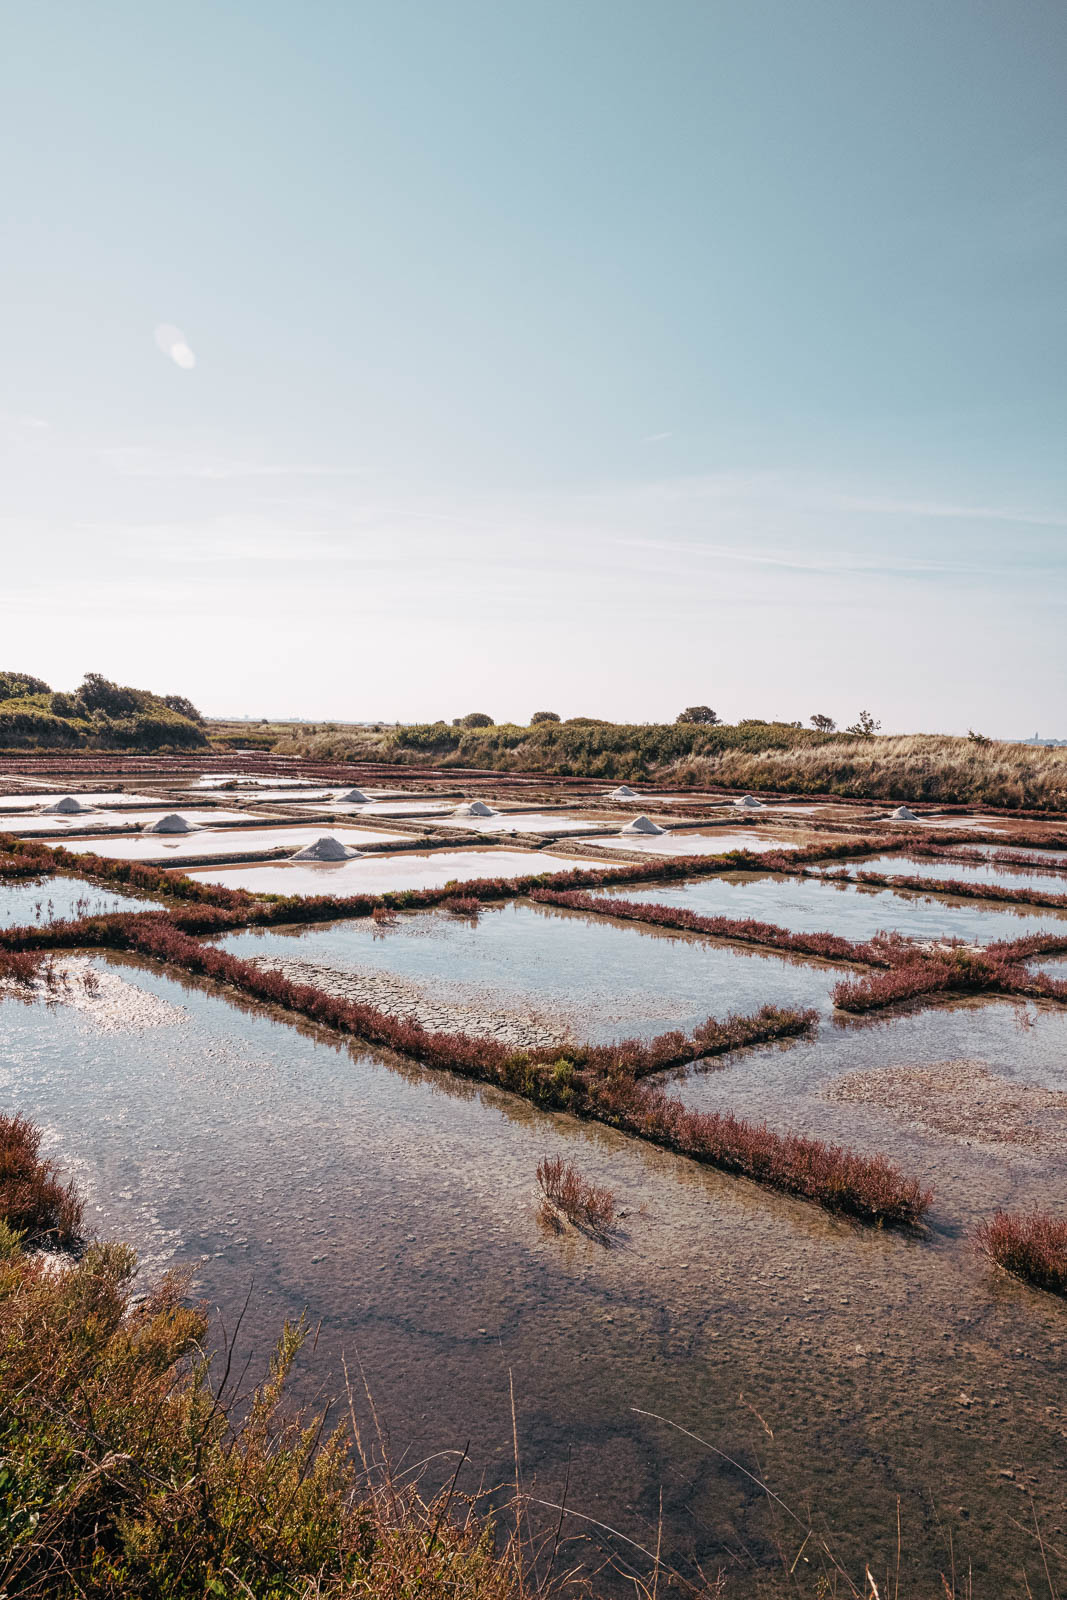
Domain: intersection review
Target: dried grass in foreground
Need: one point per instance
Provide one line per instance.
(1030, 1245)
(566, 1195)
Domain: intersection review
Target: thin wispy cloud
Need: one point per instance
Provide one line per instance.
(132, 461)
(21, 419)
(936, 508)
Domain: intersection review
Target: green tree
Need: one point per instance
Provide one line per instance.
(17, 685)
(703, 715)
(184, 707)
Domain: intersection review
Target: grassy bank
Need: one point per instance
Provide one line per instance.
(768, 756)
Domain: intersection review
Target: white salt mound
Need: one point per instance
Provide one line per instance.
(65, 807)
(748, 802)
(622, 793)
(642, 824)
(171, 823)
(355, 795)
(902, 814)
(325, 849)
(474, 808)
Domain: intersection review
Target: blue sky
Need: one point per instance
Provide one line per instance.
(585, 354)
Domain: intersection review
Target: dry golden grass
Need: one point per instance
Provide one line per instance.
(915, 766)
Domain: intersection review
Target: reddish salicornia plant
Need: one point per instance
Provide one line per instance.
(19, 967)
(1029, 1245)
(463, 906)
(566, 1194)
(33, 1201)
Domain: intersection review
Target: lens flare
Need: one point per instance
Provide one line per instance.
(172, 342)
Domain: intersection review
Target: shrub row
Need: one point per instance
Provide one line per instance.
(997, 969)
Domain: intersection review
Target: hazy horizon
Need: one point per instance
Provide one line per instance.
(602, 359)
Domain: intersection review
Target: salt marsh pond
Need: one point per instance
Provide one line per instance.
(1049, 881)
(594, 979)
(50, 898)
(812, 905)
(386, 874)
(856, 1371)
(853, 1370)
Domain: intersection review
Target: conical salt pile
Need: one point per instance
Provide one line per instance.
(65, 807)
(325, 849)
(748, 802)
(355, 795)
(642, 824)
(902, 814)
(171, 823)
(622, 793)
(474, 808)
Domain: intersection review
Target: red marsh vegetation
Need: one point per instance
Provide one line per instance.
(1031, 1246)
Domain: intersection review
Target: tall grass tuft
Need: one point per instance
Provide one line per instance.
(566, 1194)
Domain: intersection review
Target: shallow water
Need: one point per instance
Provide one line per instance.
(1042, 855)
(116, 821)
(382, 874)
(807, 905)
(383, 808)
(228, 841)
(703, 841)
(288, 796)
(1025, 1042)
(988, 872)
(851, 1369)
(51, 899)
(969, 824)
(528, 822)
(89, 797)
(1054, 966)
(605, 980)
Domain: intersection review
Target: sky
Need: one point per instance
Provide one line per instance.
(365, 360)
